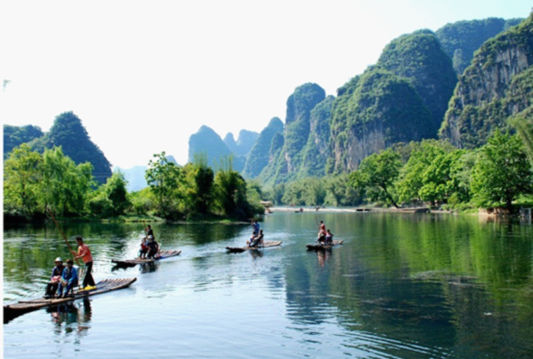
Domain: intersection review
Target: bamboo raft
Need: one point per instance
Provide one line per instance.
(266, 244)
(135, 261)
(318, 246)
(12, 311)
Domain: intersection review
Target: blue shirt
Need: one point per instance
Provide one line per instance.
(70, 276)
(256, 227)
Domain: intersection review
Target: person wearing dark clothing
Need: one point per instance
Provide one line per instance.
(51, 287)
(329, 237)
(149, 231)
(153, 248)
(69, 279)
(257, 240)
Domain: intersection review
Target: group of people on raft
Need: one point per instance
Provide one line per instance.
(256, 240)
(149, 246)
(325, 236)
(65, 278)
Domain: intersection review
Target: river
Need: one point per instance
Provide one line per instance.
(401, 286)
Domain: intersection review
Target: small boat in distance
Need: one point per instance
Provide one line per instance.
(266, 244)
(320, 246)
(12, 311)
(135, 261)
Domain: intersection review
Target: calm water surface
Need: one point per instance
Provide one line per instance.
(402, 286)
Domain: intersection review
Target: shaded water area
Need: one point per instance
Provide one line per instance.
(401, 286)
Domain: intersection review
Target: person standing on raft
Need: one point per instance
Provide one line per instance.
(322, 232)
(85, 254)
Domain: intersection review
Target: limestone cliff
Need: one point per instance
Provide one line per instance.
(495, 86)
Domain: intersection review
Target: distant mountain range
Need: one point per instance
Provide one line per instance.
(457, 83)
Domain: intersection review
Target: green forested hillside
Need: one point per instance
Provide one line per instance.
(368, 117)
(495, 86)
(15, 136)
(260, 153)
(420, 58)
(286, 161)
(462, 38)
(316, 151)
(69, 133)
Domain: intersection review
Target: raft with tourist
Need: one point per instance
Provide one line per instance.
(141, 260)
(12, 311)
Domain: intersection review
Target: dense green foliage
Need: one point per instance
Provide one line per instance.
(367, 117)
(502, 172)
(420, 58)
(497, 85)
(523, 123)
(37, 185)
(462, 38)
(438, 174)
(15, 136)
(68, 132)
(376, 175)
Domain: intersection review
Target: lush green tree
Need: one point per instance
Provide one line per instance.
(111, 199)
(22, 175)
(523, 123)
(230, 193)
(460, 176)
(199, 179)
(340, 192)
(502, 171)
(65, 186)
(165, 179)
(143, 201)
(376, 175)
(426, 173)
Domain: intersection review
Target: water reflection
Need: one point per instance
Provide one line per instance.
(71, 317)
(412, 286)
(460, 287)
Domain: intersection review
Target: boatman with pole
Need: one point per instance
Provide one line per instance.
(85, 254)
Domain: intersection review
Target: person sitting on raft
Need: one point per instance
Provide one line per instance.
(51, 287)
(257, 240)
(153, 247)
(69, 279)
(329, 237)
(144, 248)
(322, 233)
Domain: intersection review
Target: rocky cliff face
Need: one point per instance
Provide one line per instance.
(372, 112)
(316, 151)
(495, 86)
(461, 39)
(420, 58)
(286, 162)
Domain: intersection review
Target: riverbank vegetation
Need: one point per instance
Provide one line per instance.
(428, 172)
(37, 185)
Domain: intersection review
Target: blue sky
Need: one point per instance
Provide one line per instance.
(145, 75)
